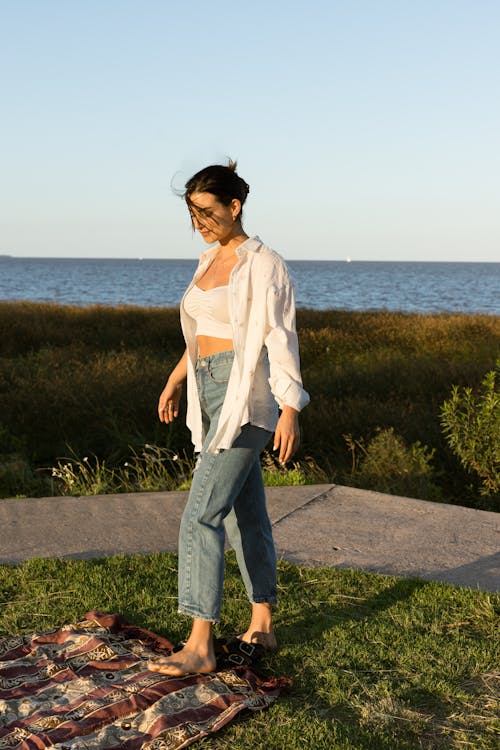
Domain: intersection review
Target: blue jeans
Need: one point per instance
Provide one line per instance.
(227, 494)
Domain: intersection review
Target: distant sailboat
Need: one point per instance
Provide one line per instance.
(348, 259)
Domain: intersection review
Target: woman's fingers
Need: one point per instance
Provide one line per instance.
(167, 411)
(290, 448)
(168, 404)
(285, 452)
(287, 444)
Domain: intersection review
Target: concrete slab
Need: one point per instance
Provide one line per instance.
(284, 501)
(94, 526)
(347, 527)
(315, 525)
(101, 525)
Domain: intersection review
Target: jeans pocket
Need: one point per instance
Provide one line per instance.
(219, 372)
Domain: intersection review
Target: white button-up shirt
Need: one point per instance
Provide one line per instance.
(266, 369)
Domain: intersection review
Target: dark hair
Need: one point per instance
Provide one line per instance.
(221, 181)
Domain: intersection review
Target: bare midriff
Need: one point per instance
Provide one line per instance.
(208, 345)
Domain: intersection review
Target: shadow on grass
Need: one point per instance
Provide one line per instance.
(343, 606)
(340, 689)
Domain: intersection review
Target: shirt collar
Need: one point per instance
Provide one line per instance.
(251, 244)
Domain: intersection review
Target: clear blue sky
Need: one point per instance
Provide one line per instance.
(368, 128)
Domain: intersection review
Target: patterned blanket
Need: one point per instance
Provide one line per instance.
(87, 687)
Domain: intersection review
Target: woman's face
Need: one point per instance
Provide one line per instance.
(212, 219)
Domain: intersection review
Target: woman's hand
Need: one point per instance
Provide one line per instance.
(168, 404)
(287, 435)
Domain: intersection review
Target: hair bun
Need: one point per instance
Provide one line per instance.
(221, 180)
(244, 186)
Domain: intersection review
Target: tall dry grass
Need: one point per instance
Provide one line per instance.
(88, 379)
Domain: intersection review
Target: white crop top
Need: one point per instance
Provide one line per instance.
(210, 310)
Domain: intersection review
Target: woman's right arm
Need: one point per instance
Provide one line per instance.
(168, 404)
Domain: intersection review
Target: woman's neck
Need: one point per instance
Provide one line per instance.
(229, 244)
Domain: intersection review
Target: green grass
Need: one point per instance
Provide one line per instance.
(378, 662)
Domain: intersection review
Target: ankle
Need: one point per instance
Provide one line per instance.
(262, 618)
(200, 639)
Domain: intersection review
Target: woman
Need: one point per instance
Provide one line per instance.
(242, 368)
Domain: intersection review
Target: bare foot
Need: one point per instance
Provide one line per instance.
(182, 663)
(265, 638)
(261, 628)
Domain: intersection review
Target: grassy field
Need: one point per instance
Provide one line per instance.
(378, 663)
(86, 381)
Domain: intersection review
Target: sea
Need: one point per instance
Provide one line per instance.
(422, 287)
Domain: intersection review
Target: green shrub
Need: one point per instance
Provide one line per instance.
(16, 475)
(295, 473)
(471, 423)
(387, 464)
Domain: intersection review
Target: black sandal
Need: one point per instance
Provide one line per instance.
(233, 652)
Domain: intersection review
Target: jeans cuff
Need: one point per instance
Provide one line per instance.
(265, 599)
(191, 612)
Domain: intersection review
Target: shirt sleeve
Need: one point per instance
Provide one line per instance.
(283, 347)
